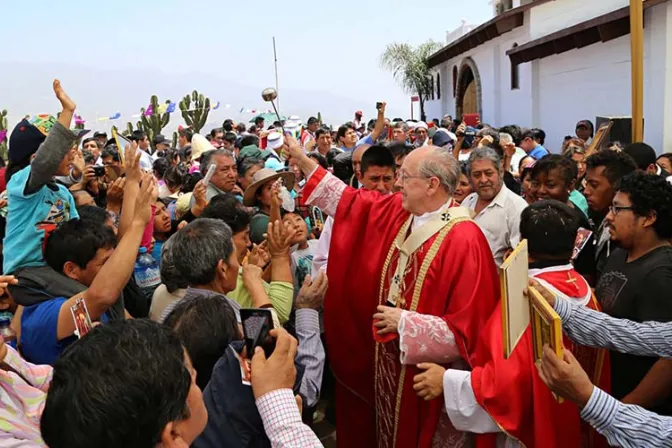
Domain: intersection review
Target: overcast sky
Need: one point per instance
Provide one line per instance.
(328, 52)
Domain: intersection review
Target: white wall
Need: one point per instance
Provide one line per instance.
(596, 81)
(560, 14)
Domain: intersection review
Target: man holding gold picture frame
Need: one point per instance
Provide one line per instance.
(505, 399)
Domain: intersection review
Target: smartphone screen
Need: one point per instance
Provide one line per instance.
(257, 325)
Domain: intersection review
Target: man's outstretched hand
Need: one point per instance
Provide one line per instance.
(278, 371)
(565, 376)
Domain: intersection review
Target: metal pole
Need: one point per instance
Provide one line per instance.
(277, 87)
(637, 65)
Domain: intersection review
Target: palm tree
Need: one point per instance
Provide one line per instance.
(410, 69)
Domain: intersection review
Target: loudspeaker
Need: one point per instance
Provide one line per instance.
(621, 130)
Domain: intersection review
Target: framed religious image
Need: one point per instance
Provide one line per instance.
(599, 139)
(513, 278)
(546, 327)
(121, 143)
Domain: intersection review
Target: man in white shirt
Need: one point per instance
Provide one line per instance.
(376, 172)
(496, 208)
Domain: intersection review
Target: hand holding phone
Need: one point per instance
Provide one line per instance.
(257, 325)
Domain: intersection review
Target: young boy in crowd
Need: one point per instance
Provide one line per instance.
(303, 249)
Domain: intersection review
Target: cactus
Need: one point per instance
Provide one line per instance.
(197, 117)
(4, 134)
(154, 123)
(129, 129)
(319, 118)
(175, 135)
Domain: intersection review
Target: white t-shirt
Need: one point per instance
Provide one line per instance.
(302, 263)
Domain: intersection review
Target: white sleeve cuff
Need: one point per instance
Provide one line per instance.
(461, 406)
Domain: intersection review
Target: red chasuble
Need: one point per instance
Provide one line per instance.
(511, 391)
(375, 402)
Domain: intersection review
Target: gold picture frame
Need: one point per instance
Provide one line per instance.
(513, 278)
(600, 137)
(546, 328)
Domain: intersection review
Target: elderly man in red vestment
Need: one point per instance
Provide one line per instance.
(505, 398)
(412, 280)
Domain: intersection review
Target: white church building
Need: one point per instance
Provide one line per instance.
(550, 63)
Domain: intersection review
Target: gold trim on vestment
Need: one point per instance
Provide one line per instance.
(431, 254)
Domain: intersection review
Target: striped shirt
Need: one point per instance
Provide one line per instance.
(622, 425)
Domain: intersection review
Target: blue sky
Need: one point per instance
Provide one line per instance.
(322, 46)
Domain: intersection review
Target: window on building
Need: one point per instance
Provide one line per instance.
(430, 94)
(515, 74)
(454, 81)
(438, 86)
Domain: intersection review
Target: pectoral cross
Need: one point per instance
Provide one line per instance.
(572, 280)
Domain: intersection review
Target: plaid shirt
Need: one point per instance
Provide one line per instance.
(282, 421)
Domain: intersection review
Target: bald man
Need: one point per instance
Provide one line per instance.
(414, 271)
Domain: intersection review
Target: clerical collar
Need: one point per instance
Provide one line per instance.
(547, 264)
(422, 219)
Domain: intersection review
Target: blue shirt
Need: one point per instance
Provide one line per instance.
(156, 253)
(30, 217)
(538, 152)
(39, 326)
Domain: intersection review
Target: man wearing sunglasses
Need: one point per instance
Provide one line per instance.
(636, 283)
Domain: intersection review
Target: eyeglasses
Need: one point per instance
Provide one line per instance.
(403, 177)
(616, 209)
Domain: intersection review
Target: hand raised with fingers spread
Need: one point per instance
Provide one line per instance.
(66, 102)
(132, 162)
(312, 292)
(280, 238)
(429, 384)
(278, 371)
(115, 192)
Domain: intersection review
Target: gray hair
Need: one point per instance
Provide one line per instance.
(402, 125)
(206, 158)
(505, 139)
(170, 275)
(198, 248)
(485, 153)
(441, 164)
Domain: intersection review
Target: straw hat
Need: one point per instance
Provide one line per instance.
(260, 178)
(199, 145)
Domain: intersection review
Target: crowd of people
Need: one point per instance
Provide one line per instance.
(135, 279)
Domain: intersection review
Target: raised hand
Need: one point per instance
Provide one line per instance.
(146, 197)
(279, 238)
(200, 198)
(132, 162)
(115, 192)
(252, 275)
(66, 103)
(259, 256)
(312, 293)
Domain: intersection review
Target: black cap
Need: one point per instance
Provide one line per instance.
(99, 134)
(160, 139)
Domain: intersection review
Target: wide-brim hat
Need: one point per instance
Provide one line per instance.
(199, 145)
(260, 179)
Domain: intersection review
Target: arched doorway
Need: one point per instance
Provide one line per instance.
(468, 98)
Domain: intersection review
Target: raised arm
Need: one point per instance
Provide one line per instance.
(322, 188)
(380, 124)
(55, 147)
(133, 177)
(117, 270)
(595, 329)
(282, 290)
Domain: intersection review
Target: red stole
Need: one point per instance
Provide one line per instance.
(511, 391)
(461, 285)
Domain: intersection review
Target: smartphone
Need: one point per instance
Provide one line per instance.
(379, 105)
(257, 326)
(99, 171)
(209, 174)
